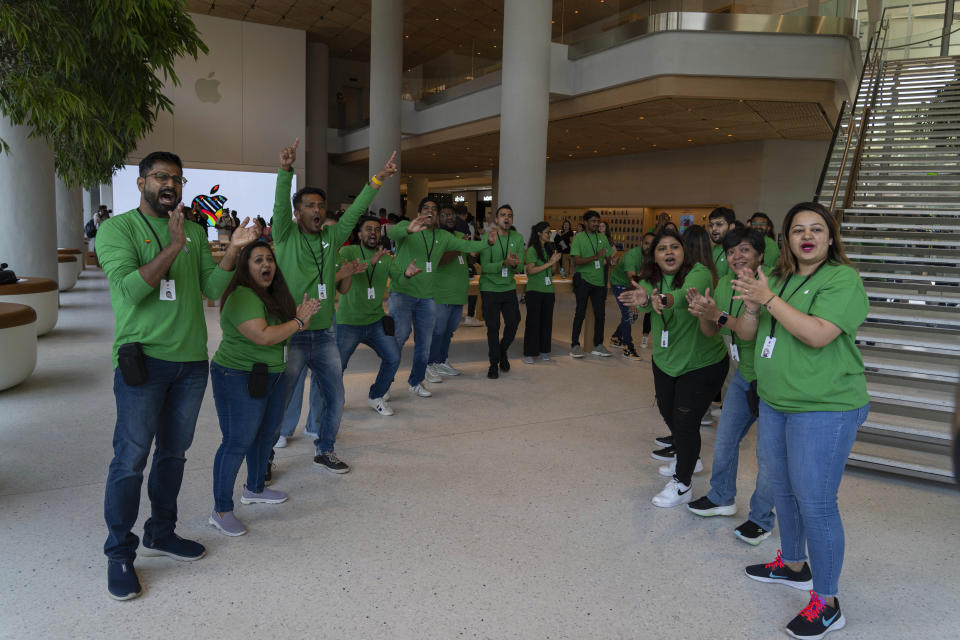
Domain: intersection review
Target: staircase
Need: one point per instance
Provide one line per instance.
(899, 204)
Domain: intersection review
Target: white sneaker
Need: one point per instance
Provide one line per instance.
(446, 369)
(707, 420)
(380, 406)
(312, 435)
(386, 396)
(527, 360)
(671, 468)
(470, 321)
(432, 375)
(545, 357)
(675, 493)
(281, 442)
(716, 412)
(421, 391)
(644, 342)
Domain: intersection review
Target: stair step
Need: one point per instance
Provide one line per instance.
(902, 238)
(936, 223)
(907, 428)
(930, 399)
(898, 212)
(902, 255)
(901, 461)
(924, 314)
(888, 292)
(946, 202)
(890, 361)
(934, 340)
(881, 271)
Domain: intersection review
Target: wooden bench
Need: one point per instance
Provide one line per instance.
(68, 269)
(18, 343)
(39, 293)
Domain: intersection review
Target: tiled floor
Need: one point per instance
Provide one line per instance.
(516, 508)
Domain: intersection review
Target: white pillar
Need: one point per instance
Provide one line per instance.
(318, 81)
(106, 194)
(27, 204)
(69, 216)
(91, 203)
(417, 189)
(524, 110)
(386, 76)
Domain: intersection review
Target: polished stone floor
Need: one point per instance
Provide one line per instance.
(516, 508)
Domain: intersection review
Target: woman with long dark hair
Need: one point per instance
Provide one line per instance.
(696, 242)
(257, 316)
(563, 241)
(688, 367)
(538, 332)
(813, 399)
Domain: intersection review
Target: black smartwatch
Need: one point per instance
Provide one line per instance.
(722, 320)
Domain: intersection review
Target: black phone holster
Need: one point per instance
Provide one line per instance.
(257, 384)
(753, 400)
(132, 363)
(389, 326)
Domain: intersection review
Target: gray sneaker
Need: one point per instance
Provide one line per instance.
(267, 496)
(576, 351)
(227, 523)
(601, 351)
(527, 360)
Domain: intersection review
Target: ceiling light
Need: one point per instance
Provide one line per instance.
(641, 117)
(623, 148)
(653, 145)
(716, 128)
(569, 155)
(596, 151)
(576, 11)
(436, 19)
(688, 140)
(729, 135)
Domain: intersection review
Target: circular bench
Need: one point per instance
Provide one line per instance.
(73, 252)
(68, 269)
(18, 343)
(39, 293)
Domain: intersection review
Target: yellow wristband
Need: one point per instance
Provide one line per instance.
(374, 180)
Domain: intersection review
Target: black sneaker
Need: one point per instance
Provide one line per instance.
(493, 372)
(664, 441)
(705, 507)
(816, 620)
(778, 572)
(173, 546)
(331, 462)
(122, 582)
(504, 363)
(751, 533)
(630, 353)
(667, 453)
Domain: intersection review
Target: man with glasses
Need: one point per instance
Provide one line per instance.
(157, 266)
(306, 248)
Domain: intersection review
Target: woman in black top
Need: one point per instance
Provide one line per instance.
(562, 241)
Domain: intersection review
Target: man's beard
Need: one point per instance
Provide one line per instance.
(153, 199)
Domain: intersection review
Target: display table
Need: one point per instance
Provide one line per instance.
(74, 252)
(39, 293)
(68, 270)
(18, 343)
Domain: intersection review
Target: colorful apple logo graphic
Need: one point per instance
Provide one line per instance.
(211, 206)
(208, 89)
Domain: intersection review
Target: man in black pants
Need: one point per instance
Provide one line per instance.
(588, 252)
(498, 290)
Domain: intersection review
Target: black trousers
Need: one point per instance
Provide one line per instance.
(538, 331)
(495, 304)
(646, 324)
(471, 305)
(682, 402)
(585, 291)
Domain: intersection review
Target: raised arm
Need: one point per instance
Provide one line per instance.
(344, 227)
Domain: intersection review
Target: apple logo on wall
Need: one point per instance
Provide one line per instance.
(208, 89)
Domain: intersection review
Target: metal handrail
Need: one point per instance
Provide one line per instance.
(833, 142)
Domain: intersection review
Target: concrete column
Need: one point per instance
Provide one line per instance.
(69, 216)
(318, 81)
(106, 194)
(417, 189)
(524, 110)
(91, 203)
(27, 204)
(386, 76)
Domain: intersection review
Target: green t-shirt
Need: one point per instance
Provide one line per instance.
(585, 245)
(745, 348)
(492, 272)
(632, 260)
(798, 378)
(538, 281)
(687, 348)
(236, 351)
(423, 246)
(309, 259)
(171, 330)
(452, 281)
(356, 307)
(771, 252)
(720, 260)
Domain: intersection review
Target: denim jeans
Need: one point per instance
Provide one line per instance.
(804, 455)
(291, 416)
(418, 315)
(372, 335)
(163, 410)
(318, 350)
(448, 319)
(623, 331)
(734, 423)
(249, 426)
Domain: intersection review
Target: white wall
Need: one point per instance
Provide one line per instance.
(261, 72)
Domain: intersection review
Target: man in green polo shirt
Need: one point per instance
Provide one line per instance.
(719, 222)
(360, 317)
(449, 294)
(762, 223)
(588, 251)
(158, 265)
(306, 250)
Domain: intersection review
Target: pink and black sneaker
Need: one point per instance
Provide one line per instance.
(778, 572)
(816, 620)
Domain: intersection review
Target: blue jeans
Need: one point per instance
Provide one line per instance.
(163, 410)
(249, 426)
(448, 319)
(624, 332)
(418, 315)
(804, 455)
(372, 335)
(734, 423)
(291, 416)
(318, 350)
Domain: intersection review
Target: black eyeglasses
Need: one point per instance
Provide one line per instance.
(160, 176)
